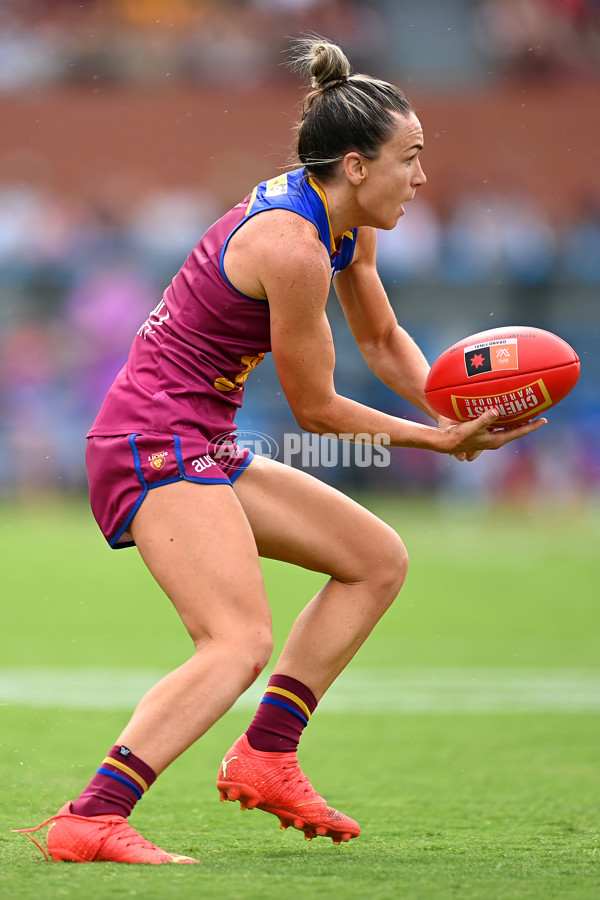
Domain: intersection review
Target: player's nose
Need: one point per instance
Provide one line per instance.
(420, 178)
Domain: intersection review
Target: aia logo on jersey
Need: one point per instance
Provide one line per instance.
(157, 460)
(491, 357)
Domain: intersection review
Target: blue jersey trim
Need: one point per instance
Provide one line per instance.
(237, 228)
(222, 268)
(302, 199)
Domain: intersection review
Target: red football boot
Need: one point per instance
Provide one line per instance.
(98, 839)
(275, 783)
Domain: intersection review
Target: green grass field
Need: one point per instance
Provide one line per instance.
(464, 737)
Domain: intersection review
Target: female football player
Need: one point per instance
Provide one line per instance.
(201, 511)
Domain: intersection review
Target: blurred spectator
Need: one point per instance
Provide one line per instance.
(27, 59)
(581, 241)
(239, 41)
(166, 224)
(539, 40)
(37, 230)
(29, 402)
(236, 42)
(498, 237)
(100, 317)
(412, 249)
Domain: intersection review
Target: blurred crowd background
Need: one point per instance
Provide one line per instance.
(128, 126)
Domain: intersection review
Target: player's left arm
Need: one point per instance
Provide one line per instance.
(387, 348)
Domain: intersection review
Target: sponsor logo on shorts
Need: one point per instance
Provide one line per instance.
(157, 460)
(202, 462)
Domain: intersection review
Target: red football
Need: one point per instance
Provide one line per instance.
(521, 371)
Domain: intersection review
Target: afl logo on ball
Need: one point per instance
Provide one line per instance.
(491, 356)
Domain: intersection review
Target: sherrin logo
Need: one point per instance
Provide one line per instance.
(157, 460)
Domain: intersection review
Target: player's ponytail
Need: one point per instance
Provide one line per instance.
(342, 111)
(328, 65)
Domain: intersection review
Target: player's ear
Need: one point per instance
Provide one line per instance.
(355, 167)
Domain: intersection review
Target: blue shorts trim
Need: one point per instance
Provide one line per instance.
(114, 540)
(243, 467)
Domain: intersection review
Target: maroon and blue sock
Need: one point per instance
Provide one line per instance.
(119, 783)
(283, 714)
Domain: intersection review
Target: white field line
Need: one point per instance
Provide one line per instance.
(401, 690)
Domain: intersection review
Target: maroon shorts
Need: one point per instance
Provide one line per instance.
(122, 469)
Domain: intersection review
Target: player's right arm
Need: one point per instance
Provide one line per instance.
(294, 272)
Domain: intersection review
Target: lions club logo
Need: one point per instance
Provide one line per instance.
(157, 460)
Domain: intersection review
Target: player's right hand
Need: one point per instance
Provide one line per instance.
(466, 440)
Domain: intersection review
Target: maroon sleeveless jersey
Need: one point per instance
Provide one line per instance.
(190, 359)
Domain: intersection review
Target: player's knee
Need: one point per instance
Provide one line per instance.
(389, 566)
(253, 652)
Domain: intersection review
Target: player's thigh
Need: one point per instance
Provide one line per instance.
(299, 519)
(198, 545)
